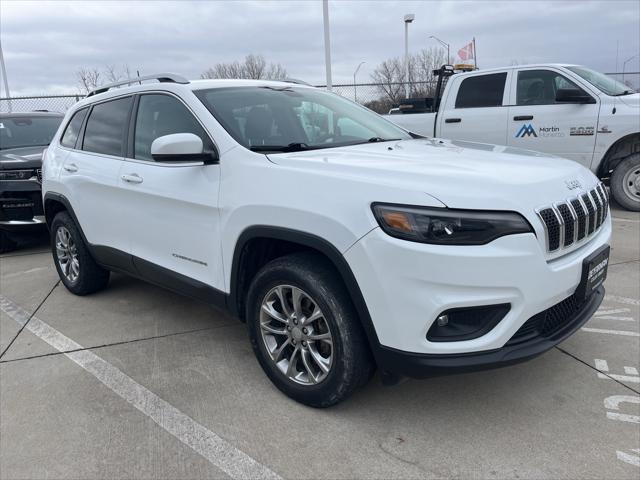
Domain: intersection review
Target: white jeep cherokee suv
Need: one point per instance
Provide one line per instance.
(343, 242)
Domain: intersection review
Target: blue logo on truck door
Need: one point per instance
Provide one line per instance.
(526, 130)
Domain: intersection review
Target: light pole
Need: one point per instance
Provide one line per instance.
(624, 66)
(327, 42)
(355, 88)
(4, 78)
(408, 18)
(444, 44)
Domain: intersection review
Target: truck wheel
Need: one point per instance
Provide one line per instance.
(77, 269)
(7, 244)
(625, 183)
(305, 332)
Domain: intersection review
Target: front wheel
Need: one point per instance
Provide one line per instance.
(625, 183)
(305, 332)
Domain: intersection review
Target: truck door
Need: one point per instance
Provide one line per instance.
(548, 116)
(474, 109)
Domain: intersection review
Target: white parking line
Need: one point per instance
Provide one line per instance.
(612, 332)
(612, 312)
(625, 300)
(619, 219)
(611, 317)
(215, 449)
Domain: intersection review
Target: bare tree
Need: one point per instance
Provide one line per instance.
(90, 78)
(253, 67)
(391, 76)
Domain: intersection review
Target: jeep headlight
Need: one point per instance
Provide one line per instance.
(17, 174)
(444, 226)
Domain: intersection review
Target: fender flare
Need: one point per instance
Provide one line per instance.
(316, 243)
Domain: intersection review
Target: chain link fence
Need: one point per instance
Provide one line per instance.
(378, 97)
(52, 103)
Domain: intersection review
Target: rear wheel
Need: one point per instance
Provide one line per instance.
(305, 331)
(625, 183)
(77, 269)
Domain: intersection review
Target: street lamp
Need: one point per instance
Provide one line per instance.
(443, 43)
(408, 18)
(624, 65)
(355, 91)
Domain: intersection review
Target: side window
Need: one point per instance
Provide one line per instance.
(70, 135)
(107, 126)
(160, 115)
(481, 91)
(539, 87)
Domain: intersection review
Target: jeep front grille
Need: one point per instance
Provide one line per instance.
(574, 220)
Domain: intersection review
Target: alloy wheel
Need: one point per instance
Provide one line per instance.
(296, 335)
(67, 254)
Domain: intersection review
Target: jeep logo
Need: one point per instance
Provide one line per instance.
(573, 184)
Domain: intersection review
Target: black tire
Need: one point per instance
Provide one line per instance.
(627, 196)
(7, 244)
(352, 365)
(91, 277)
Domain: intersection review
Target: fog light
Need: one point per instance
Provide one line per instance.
(466, 323)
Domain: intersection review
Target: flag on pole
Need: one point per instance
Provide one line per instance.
(466, 52)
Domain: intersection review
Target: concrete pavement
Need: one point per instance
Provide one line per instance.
(160, 386)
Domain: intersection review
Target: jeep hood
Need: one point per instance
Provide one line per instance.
(459, 174)
(21, 158)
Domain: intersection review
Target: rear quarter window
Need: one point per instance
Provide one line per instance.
(481, 91)
(71, 133)
(107, 127)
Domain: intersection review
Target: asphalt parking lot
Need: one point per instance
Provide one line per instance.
(136, 382)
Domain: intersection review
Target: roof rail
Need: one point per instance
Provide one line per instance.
(296, 81)
(160, 77)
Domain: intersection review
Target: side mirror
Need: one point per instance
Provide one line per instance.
(181, 147)
(573, 95)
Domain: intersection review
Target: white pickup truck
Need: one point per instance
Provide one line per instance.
(565, 110)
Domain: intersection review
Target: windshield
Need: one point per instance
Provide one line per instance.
(285, 119)
(24, 131)
(602, 82)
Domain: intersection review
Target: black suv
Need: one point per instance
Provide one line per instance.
(23, 139)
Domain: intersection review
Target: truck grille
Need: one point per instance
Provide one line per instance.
(39, 175)
(574, 220)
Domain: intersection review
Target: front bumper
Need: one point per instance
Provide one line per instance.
(407, 285)
(21, 205)
(396, 363)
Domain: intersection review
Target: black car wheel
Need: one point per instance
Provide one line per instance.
(305, 331)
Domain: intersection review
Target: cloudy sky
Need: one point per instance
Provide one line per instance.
(45, 43)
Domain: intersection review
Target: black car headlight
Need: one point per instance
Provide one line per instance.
(444, 226)
(17, 174)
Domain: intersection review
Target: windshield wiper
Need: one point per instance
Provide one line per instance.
(626, 92)
(292, 147)
(378, 139)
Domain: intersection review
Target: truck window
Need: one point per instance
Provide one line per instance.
(538, 87)
(481, 91)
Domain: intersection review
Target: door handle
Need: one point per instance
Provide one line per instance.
(519, 118)
(452, 120)
(72, 168)
(132, 178)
